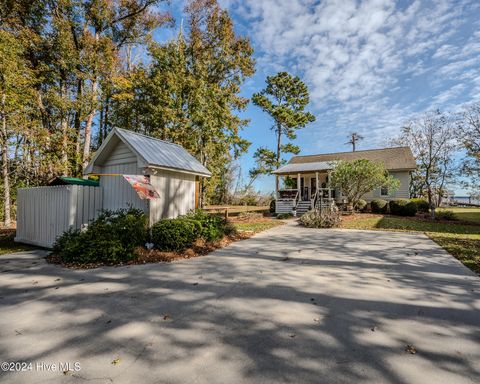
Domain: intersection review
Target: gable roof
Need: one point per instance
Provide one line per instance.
(394, 159)
(153, 152)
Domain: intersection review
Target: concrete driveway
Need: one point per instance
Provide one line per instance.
(291, 305)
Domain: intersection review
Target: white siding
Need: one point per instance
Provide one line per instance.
(121, 154)
(44, 213)
(177, 194)
(403, 191)
(117, 192)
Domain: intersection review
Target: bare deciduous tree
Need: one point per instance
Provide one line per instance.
(469, 136)
(432, 141)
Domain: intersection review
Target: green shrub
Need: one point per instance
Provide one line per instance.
(175, 234)
(403, 207)
(445, 215)
(422, 204)
(283, 216)
(379, 206)
(109, 239)
(272, 206)
(212, 226)
(326, 218)
(361, 205)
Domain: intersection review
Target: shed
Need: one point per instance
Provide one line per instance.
(173, 172)
(44, 213)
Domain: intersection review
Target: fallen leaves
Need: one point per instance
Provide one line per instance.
(116, 361)
(410, 349)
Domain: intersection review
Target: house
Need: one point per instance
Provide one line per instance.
(306, 182)
(128, 165)
(171, 170)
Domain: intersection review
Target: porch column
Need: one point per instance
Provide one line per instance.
(299, 186)
(276, 187)
(316, 183)
(328, 186)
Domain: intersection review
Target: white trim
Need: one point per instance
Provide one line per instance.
(153, 167)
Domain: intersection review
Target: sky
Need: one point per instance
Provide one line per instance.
(370, 66)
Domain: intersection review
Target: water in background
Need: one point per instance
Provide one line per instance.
(465, 199)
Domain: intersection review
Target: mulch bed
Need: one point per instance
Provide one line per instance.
(144, 256)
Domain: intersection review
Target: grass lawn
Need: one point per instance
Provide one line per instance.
(460, 239)
(7, 245)
(465, 214)
(255, 226)
(236, 209)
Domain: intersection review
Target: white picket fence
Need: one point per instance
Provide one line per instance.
(44, 213)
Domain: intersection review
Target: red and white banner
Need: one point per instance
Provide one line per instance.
(141, 184)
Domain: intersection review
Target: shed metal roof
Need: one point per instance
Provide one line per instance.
(161, 153)
(156, 153)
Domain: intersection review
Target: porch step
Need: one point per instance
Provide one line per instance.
(284, 206)
(303, 207)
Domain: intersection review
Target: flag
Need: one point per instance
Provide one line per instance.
(141, 184)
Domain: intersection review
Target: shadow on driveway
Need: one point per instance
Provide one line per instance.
(290, 305)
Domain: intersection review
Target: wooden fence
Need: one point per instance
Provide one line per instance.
(44, 213)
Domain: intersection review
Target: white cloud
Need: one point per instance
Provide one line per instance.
(353, 54)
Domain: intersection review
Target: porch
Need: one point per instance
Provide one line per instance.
(303, 191)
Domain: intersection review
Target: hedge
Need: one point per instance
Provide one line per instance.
(175, 234)
(181, 233)
(403, 208)
(361, 205)
(379, 206)
(109, 239)
(422, 204)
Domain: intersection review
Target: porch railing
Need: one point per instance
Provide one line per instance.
(287, 194)
(313, 200)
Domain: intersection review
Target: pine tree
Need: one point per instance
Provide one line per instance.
(284, 98)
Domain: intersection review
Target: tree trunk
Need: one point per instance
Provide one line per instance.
(88, 126)
(64, 128)
(431, 201)
(105, 118)
(279, 148)
(100, 125)
(77, 127)
(6, 181)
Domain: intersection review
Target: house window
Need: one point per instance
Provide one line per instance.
(384, 191)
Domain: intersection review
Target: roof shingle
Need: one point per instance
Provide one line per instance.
(397, 158)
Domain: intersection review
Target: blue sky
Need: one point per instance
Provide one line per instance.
(369, 65)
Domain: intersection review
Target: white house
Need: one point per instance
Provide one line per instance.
(309, 176)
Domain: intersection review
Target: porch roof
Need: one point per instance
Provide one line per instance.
(313, 166)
